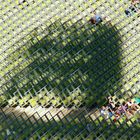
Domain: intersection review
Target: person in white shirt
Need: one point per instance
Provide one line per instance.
(104, 112)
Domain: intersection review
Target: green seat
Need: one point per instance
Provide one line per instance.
(137, 100)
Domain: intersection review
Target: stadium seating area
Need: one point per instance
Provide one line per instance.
(57, 69)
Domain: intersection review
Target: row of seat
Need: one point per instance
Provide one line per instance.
(62, 124)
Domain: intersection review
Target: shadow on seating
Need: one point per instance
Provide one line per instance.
(75, 64)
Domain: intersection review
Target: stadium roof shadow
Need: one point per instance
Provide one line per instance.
(77, 64)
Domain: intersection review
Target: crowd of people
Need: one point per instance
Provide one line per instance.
(117, 109)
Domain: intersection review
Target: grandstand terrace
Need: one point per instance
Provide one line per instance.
(57, 69)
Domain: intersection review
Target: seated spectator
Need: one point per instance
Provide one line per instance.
(104, 112)
(110, 112)
(111, 103)
(132, 106)
(122, 108)
(128, 12)
(126, 110)
(117, 114)
(96, 19)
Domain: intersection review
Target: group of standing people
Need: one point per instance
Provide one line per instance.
(118, 109)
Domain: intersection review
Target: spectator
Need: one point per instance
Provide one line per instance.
(110, 112)
(96, 19)
(128, 12)
(111, 103)
(117, 114)
(132, 105)
(104, 112)
(126, 110)
(122, 108)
